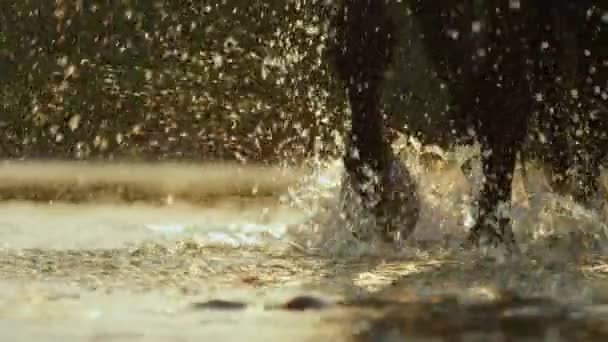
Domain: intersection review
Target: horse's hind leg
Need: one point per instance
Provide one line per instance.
(382, 183)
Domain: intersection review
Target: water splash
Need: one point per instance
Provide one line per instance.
(541, 218)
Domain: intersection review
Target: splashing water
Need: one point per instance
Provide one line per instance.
(540, 216)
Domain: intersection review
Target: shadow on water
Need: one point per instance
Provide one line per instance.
(509, 318)
(459, 296)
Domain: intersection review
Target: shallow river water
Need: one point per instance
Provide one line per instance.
(137, 252)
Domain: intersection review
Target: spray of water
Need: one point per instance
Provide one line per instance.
(542, 219)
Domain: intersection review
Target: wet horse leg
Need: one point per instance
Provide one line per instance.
(493, 226)
(502, 125)
(382, 183)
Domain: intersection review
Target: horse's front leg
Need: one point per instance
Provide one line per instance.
(379, 181)
(493, 228)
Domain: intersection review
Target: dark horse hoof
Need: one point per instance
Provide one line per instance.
(487, 239)
(388, 208)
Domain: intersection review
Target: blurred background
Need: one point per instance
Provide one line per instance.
(158, 80)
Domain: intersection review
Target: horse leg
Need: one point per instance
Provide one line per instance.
(382, 183)
(493, 226)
